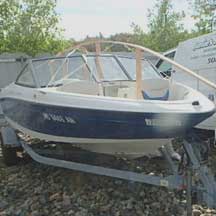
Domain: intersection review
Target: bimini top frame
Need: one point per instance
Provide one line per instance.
(138, 48)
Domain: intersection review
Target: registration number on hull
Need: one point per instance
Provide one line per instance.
(162, 122)
(58, 118)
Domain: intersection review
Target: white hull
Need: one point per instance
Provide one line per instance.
(129, 148)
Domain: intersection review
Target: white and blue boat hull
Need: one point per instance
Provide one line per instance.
(101, 124)
(86, 123)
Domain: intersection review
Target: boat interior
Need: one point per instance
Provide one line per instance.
(152, 89)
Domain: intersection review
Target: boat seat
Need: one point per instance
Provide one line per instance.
(164, 97)
(155, 89)
(81, 87)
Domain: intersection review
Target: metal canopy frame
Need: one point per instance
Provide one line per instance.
(145, 49)
(138, 50)
(29, 64)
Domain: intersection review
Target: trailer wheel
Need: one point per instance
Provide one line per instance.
(9, 154)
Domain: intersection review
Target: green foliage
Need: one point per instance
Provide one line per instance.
(30, 26)
(165, 29)
(203, 14)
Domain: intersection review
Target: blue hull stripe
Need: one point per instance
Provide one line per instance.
(100, 124)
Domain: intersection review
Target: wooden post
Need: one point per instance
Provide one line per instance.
(98, 64)
(139, 74)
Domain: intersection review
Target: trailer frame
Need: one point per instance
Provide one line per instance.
(190, 174)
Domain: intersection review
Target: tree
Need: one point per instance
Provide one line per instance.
(139, 36)
(203, 14)
(30, 26)
(165, 29)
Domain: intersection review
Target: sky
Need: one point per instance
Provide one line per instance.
(80, 18)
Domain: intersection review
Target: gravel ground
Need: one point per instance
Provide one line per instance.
(32, 189)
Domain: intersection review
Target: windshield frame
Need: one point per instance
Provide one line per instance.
(91, 74)
(29, 67)
(142, 59)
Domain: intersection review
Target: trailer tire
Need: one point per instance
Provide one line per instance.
(9, 154)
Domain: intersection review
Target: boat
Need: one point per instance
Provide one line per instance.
(101, 101)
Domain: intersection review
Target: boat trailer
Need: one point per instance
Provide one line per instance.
(191, 174)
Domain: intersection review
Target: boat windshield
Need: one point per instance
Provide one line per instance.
(148, 71)
(49, 72)
(110, 68)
